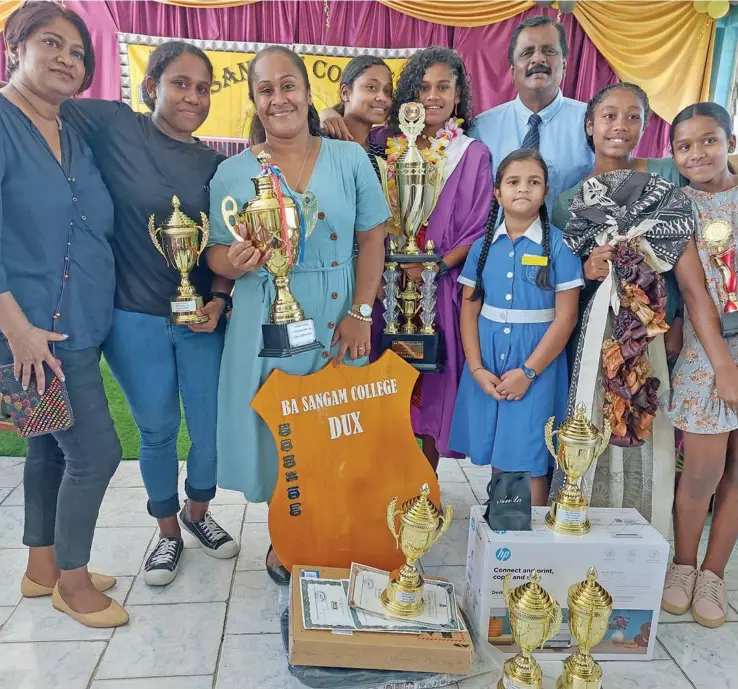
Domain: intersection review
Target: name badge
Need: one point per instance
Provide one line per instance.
(533, 260)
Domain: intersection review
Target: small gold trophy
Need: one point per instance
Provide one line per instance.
(580, 443)
(181, 249)
(421, 525)
(589, 615)
(721, 246)
(535, 617)
(288, 331)
(412, 186)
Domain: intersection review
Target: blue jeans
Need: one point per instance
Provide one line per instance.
(156, 363)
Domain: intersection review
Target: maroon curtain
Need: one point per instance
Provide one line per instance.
(363, 23)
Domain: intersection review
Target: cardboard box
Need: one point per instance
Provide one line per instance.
(430, 652)
(630, 557)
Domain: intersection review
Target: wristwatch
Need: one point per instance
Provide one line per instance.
(442, 269)
(529, 372)
(364, 310)
(226, 298)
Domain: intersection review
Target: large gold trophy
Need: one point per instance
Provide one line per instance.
(535, 617)
(721, 246)
(288, 331)
(412, 186)
(178, 242)
(421, 525)
(580, 443)
(589, 615)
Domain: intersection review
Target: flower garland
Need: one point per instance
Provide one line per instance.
(631, 392)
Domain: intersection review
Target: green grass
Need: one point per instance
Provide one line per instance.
(13, 446)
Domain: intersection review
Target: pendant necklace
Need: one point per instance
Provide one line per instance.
(302, 169)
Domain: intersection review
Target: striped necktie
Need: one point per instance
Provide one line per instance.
(532, 138)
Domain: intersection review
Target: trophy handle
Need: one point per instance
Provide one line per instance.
(448, 516)
(205, 229)
(604, 438)
(391, 514)
(384, 167)
(229, 211)
(506, 589)
(153, 232)
(437, 183)
(555, 626)
(548, 434)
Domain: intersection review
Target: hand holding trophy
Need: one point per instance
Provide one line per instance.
(275, 224)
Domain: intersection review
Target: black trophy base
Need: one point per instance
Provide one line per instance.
(426, 353)
(413, 258)
(282, 341)
(729, 323)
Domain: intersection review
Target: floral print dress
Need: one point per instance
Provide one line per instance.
(695, 405)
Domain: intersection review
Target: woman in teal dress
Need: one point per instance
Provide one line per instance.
(333, 288)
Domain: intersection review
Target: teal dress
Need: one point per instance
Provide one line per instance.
(350, 200)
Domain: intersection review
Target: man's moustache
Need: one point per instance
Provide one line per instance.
(538, 70)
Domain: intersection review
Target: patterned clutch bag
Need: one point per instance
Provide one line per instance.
(35, 414)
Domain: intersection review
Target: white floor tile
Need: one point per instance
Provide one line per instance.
(254, 546)
(11, 471)
(35, 619)
(11, 527)
(230, 517)
(201, 579)
(16, 497)
(59, 665)
(449, 471)
(5, 613)
(128, 475)
(162, 639)
(254, 607)
(460, 496)
(707, 656)
(12, 567)
(125, 507)
(451, 549)
(201, 682)
(254, 661)
(257, 512)
(120, 552)
(4, 492)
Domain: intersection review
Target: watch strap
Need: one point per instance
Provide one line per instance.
(225, 297)
(529, 372)
(442, 269)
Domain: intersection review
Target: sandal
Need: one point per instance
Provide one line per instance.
(279, 575)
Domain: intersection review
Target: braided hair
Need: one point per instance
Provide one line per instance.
(599, 97)
(353, 70)
(543, 279)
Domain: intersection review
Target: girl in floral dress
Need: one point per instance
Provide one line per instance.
(705, 378)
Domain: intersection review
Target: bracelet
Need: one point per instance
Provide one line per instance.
(478, 368)
(358, 317)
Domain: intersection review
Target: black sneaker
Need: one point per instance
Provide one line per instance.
(162, 565)
(215, 540)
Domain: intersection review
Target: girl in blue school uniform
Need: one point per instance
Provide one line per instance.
(519, 308)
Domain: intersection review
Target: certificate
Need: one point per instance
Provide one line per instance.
(324, 604)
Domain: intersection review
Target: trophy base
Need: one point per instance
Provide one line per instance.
(402, 601)
(570, 520)
(288, 339)
(184, 310)
(729, 323)
(580, 676)
(426, 353)
(420, 257)
(512, 678)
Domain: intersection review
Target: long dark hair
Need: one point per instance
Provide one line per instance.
(31, 16)
(162, 57)
(353, 71)
(257, 134)
(411, 77)
(707, 109)
(600, 95)
(543, 277)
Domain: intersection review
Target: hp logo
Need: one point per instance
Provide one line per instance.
(503, 554)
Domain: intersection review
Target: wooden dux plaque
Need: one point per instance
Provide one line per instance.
(345, 448)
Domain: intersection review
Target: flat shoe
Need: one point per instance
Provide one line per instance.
(279, 575)
(113, 616)
(30, 589)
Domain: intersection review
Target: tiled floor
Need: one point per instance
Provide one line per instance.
(216, 626)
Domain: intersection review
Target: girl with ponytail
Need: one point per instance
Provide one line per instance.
(520, 306)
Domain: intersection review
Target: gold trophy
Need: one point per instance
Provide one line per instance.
(580, 443)
(181, 249)
(273, 224)
(535, 617)
(718, 236)
(412, 186)
(421, 525)
(589, 615)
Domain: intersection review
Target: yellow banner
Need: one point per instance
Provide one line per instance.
(231, 109)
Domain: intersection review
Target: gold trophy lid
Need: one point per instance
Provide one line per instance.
(420, 511)
(718, 234)
(531, 597)
(579, 429)
(589, 595)
(178, 220)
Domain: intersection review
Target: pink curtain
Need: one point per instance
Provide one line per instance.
(363, 23)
